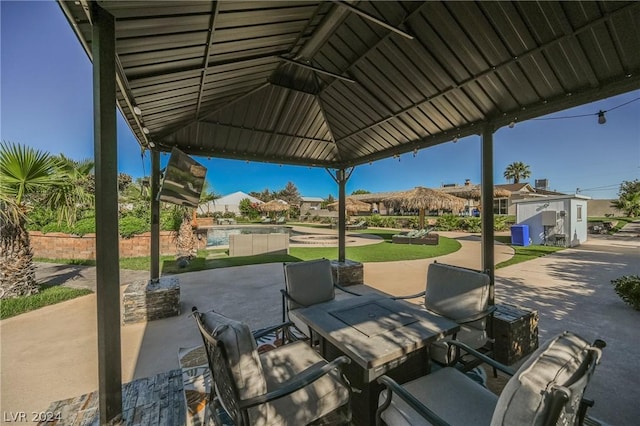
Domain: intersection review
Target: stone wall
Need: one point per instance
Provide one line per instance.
(56, 245)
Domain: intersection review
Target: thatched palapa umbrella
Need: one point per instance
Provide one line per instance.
(273, 206)
(425, 199)
(475, 192)
(351, 205)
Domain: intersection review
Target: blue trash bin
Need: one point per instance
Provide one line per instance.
(520, 235)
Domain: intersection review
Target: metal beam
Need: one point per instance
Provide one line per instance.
(342, 215)
(373, 19)
(316, 69)
(205, 65)
(267, 132)
(107, 237)
(155, 215)
(486, 206)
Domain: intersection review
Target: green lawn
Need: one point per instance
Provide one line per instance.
(620, 221)
(47, 296)
(378, 252)
(522, 254)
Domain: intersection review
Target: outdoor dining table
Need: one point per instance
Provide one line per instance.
(381, 336)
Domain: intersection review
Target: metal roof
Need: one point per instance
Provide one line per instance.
(336, 84)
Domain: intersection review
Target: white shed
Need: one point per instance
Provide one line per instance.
(556, 220)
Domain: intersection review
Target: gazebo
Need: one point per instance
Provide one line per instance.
(351, 205)
(332, 85)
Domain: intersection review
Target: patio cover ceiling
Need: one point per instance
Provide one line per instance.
(224, 78)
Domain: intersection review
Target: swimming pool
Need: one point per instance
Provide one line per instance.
(219, 236)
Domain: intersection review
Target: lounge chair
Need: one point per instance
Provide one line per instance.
(547, 389)
(422, 236)
(266, 220)
(360, 225)
(281, 220)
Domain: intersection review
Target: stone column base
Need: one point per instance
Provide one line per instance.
(348, 272)
(146, 300)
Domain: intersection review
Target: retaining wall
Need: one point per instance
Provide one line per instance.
(56, 245)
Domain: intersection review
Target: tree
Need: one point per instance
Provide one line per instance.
(290, 194)
(207, 195)
(516, 171)
(360, 191)
(24, 172)
(74, 189)
(628, 198)
(248, 209)
(265, 195)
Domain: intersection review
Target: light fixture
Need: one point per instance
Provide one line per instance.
(601, 118)
(137, 111)
(512, 124)
(455, 139)
(415, 152)
(152, 144)
(145, 130)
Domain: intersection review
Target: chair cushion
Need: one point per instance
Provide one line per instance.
(305, 405)
(455, 292)
(309, 282)
(527, 396)
(240, 347)
(447, 392)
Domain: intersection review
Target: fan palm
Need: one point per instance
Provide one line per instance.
(516, 171)
(23, 171)
(72, 191)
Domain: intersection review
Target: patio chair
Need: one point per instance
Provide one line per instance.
(281, 220)
(308, 283)
(462, 295)
(289, 385)
(360, 225)
(266, 220)
(547, 389)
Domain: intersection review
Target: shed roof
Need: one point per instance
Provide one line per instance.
(324, 84)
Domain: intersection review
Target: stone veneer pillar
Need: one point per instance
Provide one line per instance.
(148, 300)
(348, 272)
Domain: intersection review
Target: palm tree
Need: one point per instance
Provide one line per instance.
(74, 190)
(24, 172)
(516, 171)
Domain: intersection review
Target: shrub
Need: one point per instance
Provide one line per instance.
(628, 288)
(131, 225)
(500, 223)
(471, 224)
(448, 222)
(84, 226)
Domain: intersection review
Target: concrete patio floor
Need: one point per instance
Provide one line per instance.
(50, 354)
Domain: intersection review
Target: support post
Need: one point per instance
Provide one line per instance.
(155, 216)
(342, 215)
(107, 237)
(488, 261)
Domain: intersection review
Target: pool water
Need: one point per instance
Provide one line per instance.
(219, 236)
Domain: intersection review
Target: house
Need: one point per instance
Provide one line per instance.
(230, 203)
(310, 204)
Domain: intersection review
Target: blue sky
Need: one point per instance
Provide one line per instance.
(46, 103)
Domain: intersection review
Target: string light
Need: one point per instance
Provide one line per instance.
(415, 152)
(602, 119)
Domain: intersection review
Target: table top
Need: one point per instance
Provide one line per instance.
(373, 329)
